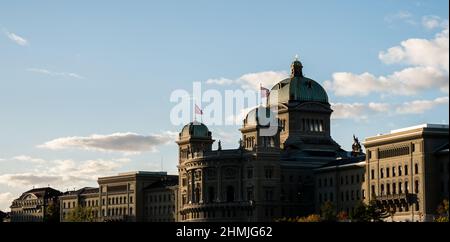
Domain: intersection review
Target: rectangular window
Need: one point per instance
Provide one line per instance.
(372, 174)
(269, 195)
(250, 173)
(381, 173)
(269, 172)
(406, 170)
(387, 172)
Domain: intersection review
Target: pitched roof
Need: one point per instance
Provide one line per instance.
(42, 192)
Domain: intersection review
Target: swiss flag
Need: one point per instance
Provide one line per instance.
(198, 110)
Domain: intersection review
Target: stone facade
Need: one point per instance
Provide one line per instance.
(267, 176)
(85, 197)
(342, 184)
(161, 199)
(408, 171)
(127, 197)
(35, 205)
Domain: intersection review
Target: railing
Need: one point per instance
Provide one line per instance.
(218, 205)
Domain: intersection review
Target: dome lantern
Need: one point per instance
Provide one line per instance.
(296, 68)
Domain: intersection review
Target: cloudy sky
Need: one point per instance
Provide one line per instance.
(85, 85)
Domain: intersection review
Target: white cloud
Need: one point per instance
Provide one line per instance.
(429, 69)
(361, 111)
(433, 21)
(220, 81)
(348, 111)
(379, 107)
(253, 80)
(28, 159)
(16, 38)
(53, 73)
(5, 200)
(421, 52)
(420, 106)
(63, 174)
(129, 143)
(402, 15)
(408, 81)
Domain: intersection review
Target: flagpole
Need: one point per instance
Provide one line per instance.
(260, 96)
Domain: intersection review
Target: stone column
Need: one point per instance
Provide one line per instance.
(219, 178)
(193, 186)
(202, 188)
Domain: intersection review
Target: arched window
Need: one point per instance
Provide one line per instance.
(416, 186)
(197, 195)
(230, 194)
(416, 168)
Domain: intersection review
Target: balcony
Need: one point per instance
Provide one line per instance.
(215, 205)
(407, 198)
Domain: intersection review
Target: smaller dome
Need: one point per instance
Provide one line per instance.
(195, 129)
(260, 116)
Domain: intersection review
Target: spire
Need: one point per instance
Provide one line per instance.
(296, 68)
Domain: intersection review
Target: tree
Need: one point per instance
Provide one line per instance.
(328, 212)
(51, 213)
(2, 216)
(375, 213)
(310, 219)
(359, 213)
(342, 216)
(81, 214)
(369, 213)
(442, 211)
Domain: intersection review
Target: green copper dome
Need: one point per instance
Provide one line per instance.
(195, 129)
(260, 116)
(298, 88)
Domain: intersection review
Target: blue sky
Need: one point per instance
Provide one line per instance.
(71, 70)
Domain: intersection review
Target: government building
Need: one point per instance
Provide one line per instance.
(286, 165)
(407, 171)
(266, 177)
